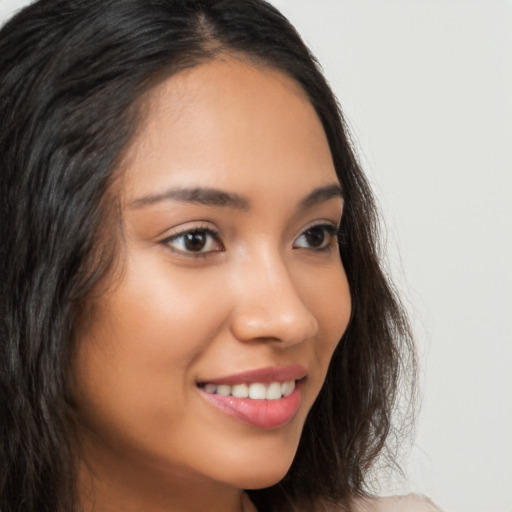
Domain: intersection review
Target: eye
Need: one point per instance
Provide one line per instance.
(197, 241)
(317, 237)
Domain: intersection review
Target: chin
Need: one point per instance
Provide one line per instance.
(265, 467)
(259, 478)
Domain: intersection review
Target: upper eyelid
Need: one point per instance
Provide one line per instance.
(320, 223)
(217, 235)
(188, 227)
(210, 232)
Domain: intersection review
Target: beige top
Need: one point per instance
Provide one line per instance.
(409, 503)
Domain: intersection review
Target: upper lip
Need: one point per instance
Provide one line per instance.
(263, 375)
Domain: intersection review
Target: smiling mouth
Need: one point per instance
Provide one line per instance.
(254, 391)
(265, 398)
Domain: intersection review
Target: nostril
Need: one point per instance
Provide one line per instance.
(268, 303)
(274, 324)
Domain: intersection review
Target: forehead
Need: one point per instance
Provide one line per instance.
(224, 123)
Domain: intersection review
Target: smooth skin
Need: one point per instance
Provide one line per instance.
(211, 285)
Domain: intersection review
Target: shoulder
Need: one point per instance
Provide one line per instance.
(409, 503)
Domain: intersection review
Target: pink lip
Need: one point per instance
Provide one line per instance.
(263, 375)
(266, 414)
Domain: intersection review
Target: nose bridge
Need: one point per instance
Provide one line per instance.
(269, 304)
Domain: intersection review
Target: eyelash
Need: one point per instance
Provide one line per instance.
(208, 231)
(330, 231)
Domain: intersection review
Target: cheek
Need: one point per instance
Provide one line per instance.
(329, 298)
(331, 303)
(157, 311)
(341, 307)
(132, 362)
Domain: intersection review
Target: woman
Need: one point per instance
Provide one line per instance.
(192, 301)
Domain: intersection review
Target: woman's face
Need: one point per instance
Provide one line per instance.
(231, 285)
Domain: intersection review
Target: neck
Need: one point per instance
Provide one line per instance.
(103, 488)
(103, 497)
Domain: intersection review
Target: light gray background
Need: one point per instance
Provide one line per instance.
(426, 86)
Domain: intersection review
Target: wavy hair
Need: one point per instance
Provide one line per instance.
(72, 75)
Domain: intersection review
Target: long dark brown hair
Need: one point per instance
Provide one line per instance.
(72, 73)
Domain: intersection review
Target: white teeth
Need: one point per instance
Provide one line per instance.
(273, 391)
(255, 391)
(287, 387)
(240, 391)
(224, 390)
(210, 388)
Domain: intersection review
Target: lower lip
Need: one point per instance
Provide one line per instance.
(265, 414)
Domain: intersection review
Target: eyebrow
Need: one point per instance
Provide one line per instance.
(220, 198)
(320, 195)
(199, 195)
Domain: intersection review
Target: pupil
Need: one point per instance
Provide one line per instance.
(195, 241)
(315, 237)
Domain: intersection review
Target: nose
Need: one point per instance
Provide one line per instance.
(269, 305)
